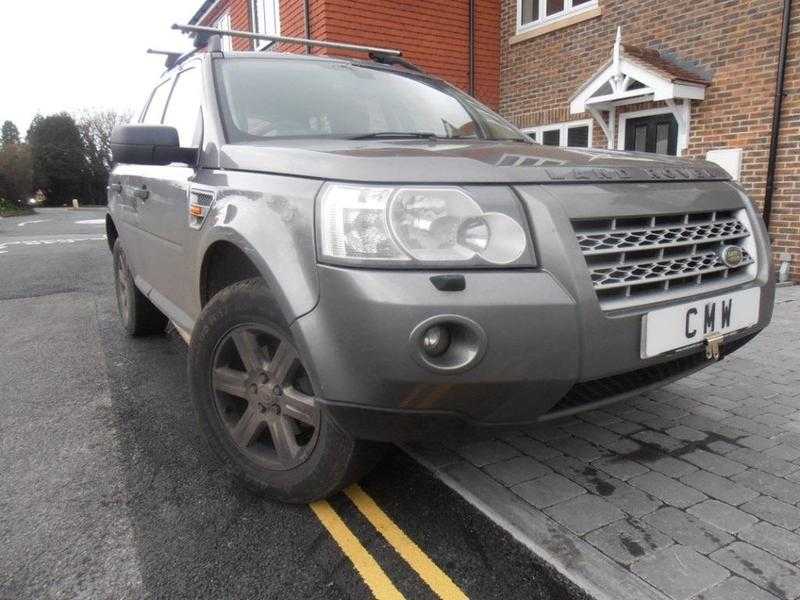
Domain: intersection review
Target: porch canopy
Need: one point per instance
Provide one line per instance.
(635, 75)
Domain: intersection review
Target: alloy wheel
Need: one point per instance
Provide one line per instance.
(264, 397)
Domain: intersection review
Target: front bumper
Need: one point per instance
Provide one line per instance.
(549, 345)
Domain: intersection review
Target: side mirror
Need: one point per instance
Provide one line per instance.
(149, 145)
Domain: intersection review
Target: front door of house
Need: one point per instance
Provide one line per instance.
(657, 133)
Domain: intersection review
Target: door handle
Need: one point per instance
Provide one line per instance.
(141, 193)
(115, 187)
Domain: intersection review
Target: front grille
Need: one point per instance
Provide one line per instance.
(587, 393)
(643, 258)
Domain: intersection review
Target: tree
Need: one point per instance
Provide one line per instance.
(57, 156)
(9, 134)
(95, 128)
(15, 173)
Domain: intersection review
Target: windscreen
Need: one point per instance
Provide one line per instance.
(285, 98)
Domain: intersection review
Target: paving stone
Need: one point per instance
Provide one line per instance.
(721, 446)
(545, 433)
(784, 452)
(774, 511)
(679, 571)
(584, 513)
(667, 465)
(689, 434)
(628, 540)
(598, 417)
(792, 439)
(719, 487)
(530, 446)
(769, 484)
(747, 424)
(660, 440)
(486, 452)
(624, 446)
(783, 544)
(548, 490)
(516, 470)
(593, 433)
(760, 567)
(629, 499)
(718, 402)
(623, 427)
(759, 460)
(757, 442)
(637, 415)
(722, 516)
(669, 490)
(621, 468)
(713, 462)
(688, 530)
(578, 448)
(736, 588)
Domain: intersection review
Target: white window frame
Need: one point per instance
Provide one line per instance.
(543, 20)
(537, 133)
(224, 22)
(260, 25)
(683, 133)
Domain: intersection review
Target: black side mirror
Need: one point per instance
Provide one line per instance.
(149, 145)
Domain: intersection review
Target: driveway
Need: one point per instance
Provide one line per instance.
(691, 491)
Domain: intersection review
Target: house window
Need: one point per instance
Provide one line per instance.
(533, 13)
(224, 22)
(577, 134)
(266, 18)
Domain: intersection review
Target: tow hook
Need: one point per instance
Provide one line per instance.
(714, 346)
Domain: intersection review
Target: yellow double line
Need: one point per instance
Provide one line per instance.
(371, 572)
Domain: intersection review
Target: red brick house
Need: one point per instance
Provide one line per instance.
(696, 78)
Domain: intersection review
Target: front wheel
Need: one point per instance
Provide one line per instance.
(257, 406)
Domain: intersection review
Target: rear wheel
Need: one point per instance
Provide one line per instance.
(138, 314)
(257, 406)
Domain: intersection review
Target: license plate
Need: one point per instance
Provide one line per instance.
(687, 324)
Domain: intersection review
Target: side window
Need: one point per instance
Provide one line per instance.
(183, 109)
(155, 109)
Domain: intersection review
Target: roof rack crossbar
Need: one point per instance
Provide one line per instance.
(172, 57)
(288, 40)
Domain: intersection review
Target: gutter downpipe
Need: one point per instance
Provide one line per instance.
(776, 114)
(307, 22)
(471, 44)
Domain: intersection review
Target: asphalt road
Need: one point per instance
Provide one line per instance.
(107, 489)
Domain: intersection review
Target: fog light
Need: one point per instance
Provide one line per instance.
(436, 340)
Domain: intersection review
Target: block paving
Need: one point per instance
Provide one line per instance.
(693, 488)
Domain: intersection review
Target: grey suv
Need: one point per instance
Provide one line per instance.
(359, 253)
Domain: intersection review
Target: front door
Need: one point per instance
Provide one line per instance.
(164, 201)
(658, 134)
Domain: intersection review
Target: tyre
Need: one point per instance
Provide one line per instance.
(138, 314)
(257, 406)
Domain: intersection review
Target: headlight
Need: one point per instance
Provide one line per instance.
(415, 226)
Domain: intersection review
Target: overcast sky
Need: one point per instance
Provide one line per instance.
(72, 54)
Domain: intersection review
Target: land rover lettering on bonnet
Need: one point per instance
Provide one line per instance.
(358, 253)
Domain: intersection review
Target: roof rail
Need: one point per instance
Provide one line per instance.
(383, 52)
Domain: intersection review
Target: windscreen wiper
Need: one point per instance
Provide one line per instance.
(422, 135)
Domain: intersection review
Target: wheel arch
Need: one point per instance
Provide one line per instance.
(225, 263)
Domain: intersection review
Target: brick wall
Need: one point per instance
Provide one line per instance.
(735, 42)
(433, 34)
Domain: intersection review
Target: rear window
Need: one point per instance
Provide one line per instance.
(275, 98)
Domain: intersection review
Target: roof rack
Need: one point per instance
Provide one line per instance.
(211, 31)
(173, 58)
